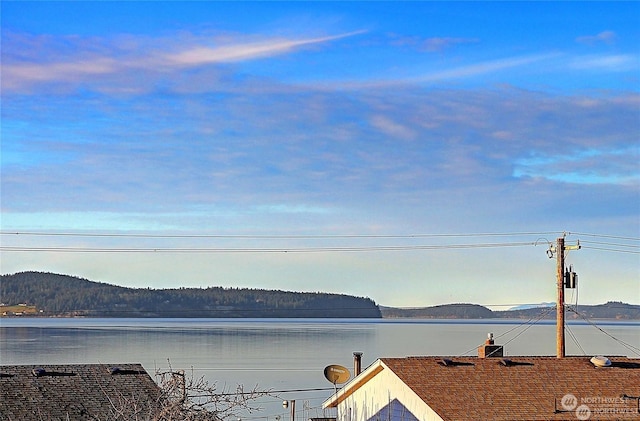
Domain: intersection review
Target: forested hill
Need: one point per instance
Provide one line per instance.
(63, 295)
(49, 294)
(611, 310)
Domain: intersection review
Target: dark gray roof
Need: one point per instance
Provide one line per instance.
(76, 392)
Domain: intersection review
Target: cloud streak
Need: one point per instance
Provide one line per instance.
(612, 167)
(207, 118)
(486, 67)
(609, 62)
(468, 71)
(607, 37)
(440, 44)
(199, 55)
(305, 151)
(22, 71)
(431, 45)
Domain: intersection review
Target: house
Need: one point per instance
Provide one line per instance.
(76, 392)
(490, 387)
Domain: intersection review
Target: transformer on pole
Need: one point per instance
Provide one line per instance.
(564, 279)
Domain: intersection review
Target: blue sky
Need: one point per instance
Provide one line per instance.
(337, 131)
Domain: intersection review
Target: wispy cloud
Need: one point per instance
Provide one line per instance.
(615, 167)
(442, 43)
(433, 44)
(482, 68)
(293, 209)
(302, 152)
(18, 74)
(392, 128)
(615, 63)
(245, 51)
(21, 70)
(607, 37)
(485, 67)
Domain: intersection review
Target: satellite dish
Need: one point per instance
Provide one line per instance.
(336, 374)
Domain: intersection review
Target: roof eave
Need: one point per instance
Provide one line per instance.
(354, 384)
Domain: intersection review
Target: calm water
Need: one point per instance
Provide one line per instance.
(285, 354)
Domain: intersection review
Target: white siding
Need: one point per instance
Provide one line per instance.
(377, 393)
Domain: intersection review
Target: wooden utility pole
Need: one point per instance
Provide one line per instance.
(560, 279)
(560, 353)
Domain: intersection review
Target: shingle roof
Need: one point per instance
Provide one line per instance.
(522, 388)
(75, 392)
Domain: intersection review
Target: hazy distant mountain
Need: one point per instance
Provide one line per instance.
(447, 311)
(529, 306)
(610, 310)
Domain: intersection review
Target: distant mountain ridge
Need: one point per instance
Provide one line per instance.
(446, 311)
(64, 295)
(610, 310)
(55, 295)
(529, 306)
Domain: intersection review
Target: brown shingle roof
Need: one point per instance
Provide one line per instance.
(527, 388)
(75, 392)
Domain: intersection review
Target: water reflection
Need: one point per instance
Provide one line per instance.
(281, 354)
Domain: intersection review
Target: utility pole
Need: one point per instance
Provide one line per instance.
(561, 284)
(560, 299)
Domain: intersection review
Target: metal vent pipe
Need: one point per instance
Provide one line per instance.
(357, 363)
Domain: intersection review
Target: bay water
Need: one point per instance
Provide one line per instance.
(287, 356)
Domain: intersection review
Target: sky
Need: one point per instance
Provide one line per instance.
(416, 153)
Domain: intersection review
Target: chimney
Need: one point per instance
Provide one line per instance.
(489, 349)
(357, 363)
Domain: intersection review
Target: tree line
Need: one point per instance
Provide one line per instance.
(65, 295)
(611, 310)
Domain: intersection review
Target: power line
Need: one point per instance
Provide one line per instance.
(603, 243)
(630, 347)
(259, 250)
(257, 236)
(605, 236)
(327, 249)
(268, 391)
(574, 338)
(528, 323)
(612, 250)
(596, 245)
(613, 247)
(540, 317)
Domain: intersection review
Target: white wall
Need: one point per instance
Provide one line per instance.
(377, 393)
